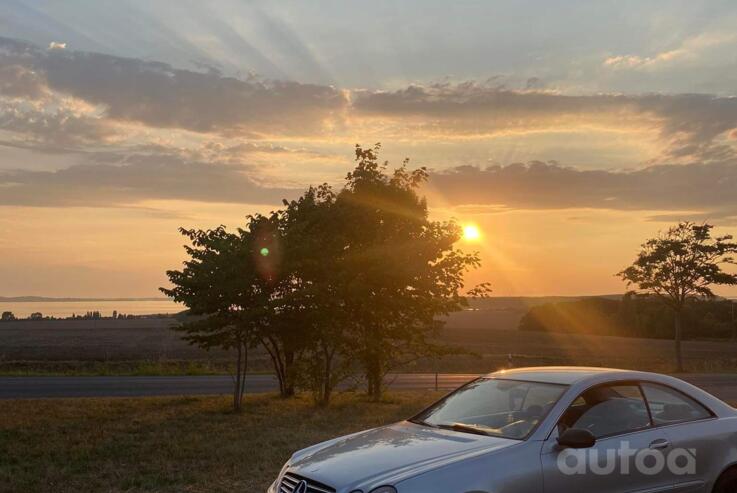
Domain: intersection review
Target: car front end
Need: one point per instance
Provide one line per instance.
(472, 440)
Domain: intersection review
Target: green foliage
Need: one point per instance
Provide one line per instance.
(331, 283)
(401, 269)
(219, 286)
(226, 293)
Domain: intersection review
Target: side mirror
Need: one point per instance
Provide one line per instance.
(576, 438)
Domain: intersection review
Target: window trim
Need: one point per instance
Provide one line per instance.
(638, 384)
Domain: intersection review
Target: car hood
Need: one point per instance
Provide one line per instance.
(389, 454)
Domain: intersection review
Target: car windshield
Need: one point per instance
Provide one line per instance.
(494, 407)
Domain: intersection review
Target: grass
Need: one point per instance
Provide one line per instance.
(172, 444)
(82, 368)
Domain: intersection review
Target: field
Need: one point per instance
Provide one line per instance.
(494, 348)
(150, 347)
(171, 444)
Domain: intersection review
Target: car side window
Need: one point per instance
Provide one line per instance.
(607, 410)
(670, 406)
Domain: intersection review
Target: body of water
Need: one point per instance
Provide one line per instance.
(63, 309)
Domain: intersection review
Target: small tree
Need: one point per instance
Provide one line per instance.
(7, 316)
(225, 292)
(681, 264)
(402, 270)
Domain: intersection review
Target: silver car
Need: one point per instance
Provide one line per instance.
(533, 430)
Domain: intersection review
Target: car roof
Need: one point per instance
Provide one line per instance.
(562, 375)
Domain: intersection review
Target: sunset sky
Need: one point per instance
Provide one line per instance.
(567, 132)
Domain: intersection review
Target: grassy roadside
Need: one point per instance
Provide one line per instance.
(79, 368)
(172, 444)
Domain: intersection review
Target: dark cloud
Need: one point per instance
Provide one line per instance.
(705, 188)
(159, 95)
(693, 123)
(690, 124)
(134, 179)
(52, 130)
(35, 104)
(18, 81)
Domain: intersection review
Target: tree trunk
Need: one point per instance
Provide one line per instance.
(678, 338)
(288, 386)
(373, 375)
(245, 371)
(327, 388)
(283, 361)
(238, 387)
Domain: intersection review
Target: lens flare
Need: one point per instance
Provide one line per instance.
(471, 232)
(265, 252)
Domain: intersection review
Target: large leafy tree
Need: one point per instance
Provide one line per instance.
(332, 282)
(400, 270)
(233, 285)
(226, 295)
(681, 264)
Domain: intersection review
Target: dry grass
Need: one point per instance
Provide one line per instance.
(171, 444)
(118, 368)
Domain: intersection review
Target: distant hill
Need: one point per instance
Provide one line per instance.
(45, 299)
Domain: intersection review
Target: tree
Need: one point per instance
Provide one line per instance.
(681, 264)
(281, 333)
(7, 316)
(330, 283)
(313, 298)
(226, 291)
(400, 270)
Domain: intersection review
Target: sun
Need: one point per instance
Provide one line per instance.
(471, 232)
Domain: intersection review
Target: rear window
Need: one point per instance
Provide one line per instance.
(670, 406)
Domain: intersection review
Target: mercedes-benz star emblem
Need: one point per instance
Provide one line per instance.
(301, 487)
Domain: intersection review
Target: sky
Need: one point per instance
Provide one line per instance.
(569, 132)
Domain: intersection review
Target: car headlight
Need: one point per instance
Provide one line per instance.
(283, 470)
(385, 489)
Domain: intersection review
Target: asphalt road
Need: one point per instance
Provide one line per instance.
(722, 385)
(43, 387)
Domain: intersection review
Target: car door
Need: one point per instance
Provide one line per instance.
(625, 458)
(696, 440)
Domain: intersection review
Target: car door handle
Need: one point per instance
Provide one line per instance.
(660, 444)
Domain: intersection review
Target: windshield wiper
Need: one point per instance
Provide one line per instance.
(422, 423)
(464, 428)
